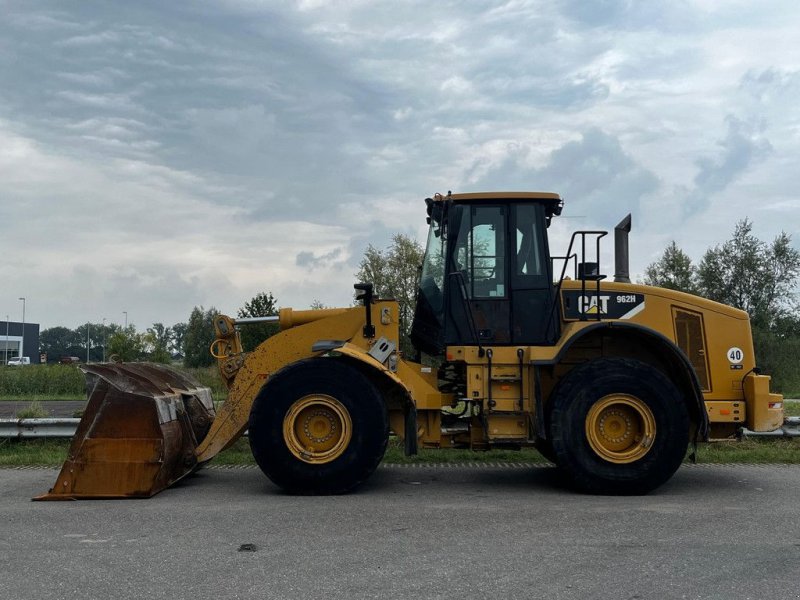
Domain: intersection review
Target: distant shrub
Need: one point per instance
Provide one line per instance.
(42, 381)
(776, 355)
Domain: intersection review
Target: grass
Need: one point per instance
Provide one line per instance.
(42, 381)
(20, 453)
(752, 451)
(42, 398)
(33, 411)
(66, 382)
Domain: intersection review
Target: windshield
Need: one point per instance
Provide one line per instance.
(426, 330)
(432, 278)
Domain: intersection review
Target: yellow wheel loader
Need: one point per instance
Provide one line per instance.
(513, 347)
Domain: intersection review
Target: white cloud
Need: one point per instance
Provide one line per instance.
(161, 156)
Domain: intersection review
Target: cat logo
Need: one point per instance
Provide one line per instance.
(580, 305)
(592, 305)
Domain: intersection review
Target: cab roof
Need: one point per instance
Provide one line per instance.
(538, 196)
(553, 204)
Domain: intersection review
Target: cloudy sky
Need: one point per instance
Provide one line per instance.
(155, 156)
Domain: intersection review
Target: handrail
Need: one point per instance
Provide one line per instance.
(599, 233)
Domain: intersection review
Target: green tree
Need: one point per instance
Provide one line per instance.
(127, 345)
(750, 274)
(59, 341)
(178, 335)
(261, 305)
(98, 336)
(157, 342)
(198, 337)
(394, 272)
(674, 271)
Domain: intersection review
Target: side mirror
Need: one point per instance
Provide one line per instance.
(364, 292)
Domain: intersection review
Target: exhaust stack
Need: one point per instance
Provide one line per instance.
(621, 266)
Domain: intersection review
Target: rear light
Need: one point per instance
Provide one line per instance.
(776, 404)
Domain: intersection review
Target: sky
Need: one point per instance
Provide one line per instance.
(156, 156)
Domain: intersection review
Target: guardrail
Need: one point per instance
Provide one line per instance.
(65, 428)
(38, 428)
(791, 428)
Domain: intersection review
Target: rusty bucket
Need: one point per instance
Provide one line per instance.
(138, 433)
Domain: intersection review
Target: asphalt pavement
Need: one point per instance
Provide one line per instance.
(712, 532)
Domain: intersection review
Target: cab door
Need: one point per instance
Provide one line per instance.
(478, 259)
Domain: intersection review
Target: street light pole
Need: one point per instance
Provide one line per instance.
(87, 342)
(125, 312)
(5, 354)
(104, 339)
(22, 343)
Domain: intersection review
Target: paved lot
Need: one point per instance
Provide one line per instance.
(420, 532)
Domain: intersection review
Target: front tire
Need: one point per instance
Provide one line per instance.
(319, 426)
(618, 426)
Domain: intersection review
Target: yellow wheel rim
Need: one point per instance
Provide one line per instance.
(620, 428)
(317, 429)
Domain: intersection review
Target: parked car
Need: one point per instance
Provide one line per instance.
(18, 361)
(69, 360)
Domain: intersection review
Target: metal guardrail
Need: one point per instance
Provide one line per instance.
(38, 428)
(791, 428)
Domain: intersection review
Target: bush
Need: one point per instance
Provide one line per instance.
(42, 380)
(56, 381)
(776, 355)
(209, 377)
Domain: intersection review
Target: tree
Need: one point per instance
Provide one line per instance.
(393, 272)
(261, 305)
(674, 271)
(752, 275)
(98, 336)
(127, 345)
(178, 334)
(57, 342)
(157, 342)
(198, 337)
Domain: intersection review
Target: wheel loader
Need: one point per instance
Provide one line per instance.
(513, 347)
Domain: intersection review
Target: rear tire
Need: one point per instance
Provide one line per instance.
(618, 426)
(318, 426)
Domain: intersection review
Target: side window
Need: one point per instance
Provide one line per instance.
(530, 262)
(487, 248)
(529, 247)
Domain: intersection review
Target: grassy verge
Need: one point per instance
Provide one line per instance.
(767, 451)
(19, 453)
(66, 382)
(42, 397)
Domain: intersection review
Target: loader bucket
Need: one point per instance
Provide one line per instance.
(137, 435)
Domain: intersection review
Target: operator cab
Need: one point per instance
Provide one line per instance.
(487, 275)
